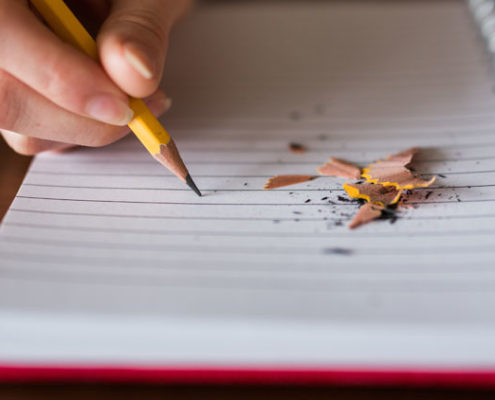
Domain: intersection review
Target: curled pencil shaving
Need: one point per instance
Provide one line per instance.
(367, 213)
(297, 148)
(339, 168)
(286, 180)
(404, 157)
(393, 171)
(376, 194)
(399, 177)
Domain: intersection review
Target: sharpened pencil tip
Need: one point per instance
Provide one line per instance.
(192, 185)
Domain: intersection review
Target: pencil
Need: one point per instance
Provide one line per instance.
(145, 125)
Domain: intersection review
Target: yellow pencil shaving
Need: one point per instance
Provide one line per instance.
(412, 183)
(383, 199)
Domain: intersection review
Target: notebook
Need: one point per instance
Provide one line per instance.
(112, 269)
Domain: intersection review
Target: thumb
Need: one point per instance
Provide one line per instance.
(133, 42)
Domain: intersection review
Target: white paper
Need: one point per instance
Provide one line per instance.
(105, 245)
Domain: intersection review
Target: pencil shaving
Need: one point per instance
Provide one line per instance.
(340, 169)
(286, 180)
(404, 157)
(367, 213)
(399, 177)
(393, 171)
(376, 194)
(297, 148)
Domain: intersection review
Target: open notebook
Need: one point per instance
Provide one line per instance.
(112, 269)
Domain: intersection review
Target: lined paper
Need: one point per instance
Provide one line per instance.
(106, 234)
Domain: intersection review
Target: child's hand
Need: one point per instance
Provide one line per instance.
(53, 96)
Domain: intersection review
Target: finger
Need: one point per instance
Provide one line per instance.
(30, 146)
(25, 111)
(133, 42)
(66, 76)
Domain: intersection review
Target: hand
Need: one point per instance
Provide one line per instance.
(53, 96)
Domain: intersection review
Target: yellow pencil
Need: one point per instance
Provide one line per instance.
(144, 125)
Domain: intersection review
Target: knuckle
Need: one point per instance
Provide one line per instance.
(144, 20)
(10, 111)
(55, 82)
(25, 145)
(98, 139)
(29, 146)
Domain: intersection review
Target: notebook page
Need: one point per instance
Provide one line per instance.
(100, 241)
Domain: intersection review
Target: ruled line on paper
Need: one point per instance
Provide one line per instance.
(205, 249)
(398, 286)
(291, 133)
(199, 233)
(244, 189)
(337, 268)
(304, 161)
(387, 119)
(244, 204)
(60, 173)
(310, 162)
(354, 149)
(256, 248)
(300, 218)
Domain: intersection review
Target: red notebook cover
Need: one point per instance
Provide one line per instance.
(479, 378)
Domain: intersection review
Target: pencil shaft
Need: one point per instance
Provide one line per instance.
(144, 125)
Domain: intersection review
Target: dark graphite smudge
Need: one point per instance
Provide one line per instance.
(340, 251)
(308, 200)
(295, 115)
(296, 148)
(390, 214)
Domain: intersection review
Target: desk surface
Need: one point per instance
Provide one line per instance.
(12, 170)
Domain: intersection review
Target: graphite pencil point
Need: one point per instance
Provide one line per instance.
(192, 185)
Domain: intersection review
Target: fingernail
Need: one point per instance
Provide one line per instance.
(159, 103)
(167, 104)
(139, 60)
(108, 109)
